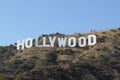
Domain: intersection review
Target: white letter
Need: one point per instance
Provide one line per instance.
(28, 43)
(62, 42)
(52, 41)
(92, 40)
(82, 41)
(44, 42)
(72, 42)
(20, 44)
(37, 43)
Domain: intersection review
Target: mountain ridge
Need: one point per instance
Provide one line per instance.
(98, 62)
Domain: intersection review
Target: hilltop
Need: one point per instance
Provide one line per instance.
(98, 62)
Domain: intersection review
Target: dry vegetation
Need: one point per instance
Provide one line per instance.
(99, 62)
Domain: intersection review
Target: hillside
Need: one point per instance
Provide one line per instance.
(98, 62)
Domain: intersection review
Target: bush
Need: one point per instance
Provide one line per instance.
(47, 59)
(27, 66)
(2, 76)
(104, 33)
(14, 64)
(105, 58)
(66, 52)
(19, 77)
(118, 28)
(113, 30)
(2, 50)
(101, 39)
(51, 58)
(89, 77)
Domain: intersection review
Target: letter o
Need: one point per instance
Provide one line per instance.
(82, 42)
(72, 42)
(28, 43)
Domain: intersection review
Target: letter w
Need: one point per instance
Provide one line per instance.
(62, 42)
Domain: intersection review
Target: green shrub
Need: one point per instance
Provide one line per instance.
(19, 77)
(113, 30)
(101, 39)
(66, 52)
(2, 76)
(51, 58)
(89, 77)
(2, 50)
(118, 28)
(104, 33)
(14, 64)
(27, 66)
(105, 58)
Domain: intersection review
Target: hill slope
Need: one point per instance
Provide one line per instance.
(99, 62)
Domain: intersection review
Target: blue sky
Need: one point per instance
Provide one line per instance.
(20, 19)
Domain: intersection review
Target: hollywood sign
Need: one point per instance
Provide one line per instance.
(61, 41)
